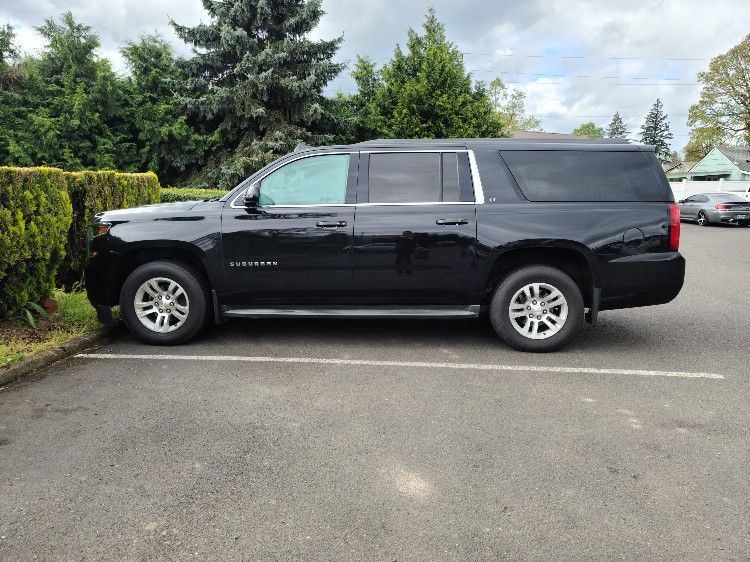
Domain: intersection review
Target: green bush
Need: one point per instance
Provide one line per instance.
(171, 194)
(92, 192)
(35, 215)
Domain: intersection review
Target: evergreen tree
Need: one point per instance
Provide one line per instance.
(255, 81)
(166, 142)
(73, 110)
(426, 92)
(616, 128)
(356, 119)
(655, 131)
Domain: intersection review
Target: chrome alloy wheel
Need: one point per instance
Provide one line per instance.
(702, 219)
(538, 311)
(161, 304)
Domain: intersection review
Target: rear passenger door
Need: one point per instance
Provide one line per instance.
(415, 229)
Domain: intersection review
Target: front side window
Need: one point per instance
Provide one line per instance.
(315, 180)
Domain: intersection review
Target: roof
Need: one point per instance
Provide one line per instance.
(679, 167)
(542, 135)
(740, 156)
(555, 143)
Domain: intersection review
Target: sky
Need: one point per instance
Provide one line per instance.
(576, 60)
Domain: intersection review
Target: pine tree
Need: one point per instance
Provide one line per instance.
(255, 80)
(426, 92)
(655, 131)
(616, 128)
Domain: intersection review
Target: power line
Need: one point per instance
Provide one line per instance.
(508, 55)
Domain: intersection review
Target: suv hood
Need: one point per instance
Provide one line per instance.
(147, 212)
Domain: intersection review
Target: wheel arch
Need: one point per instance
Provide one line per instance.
(573, 258)
(136, 255)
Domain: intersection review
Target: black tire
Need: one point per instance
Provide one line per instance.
(195, 292)
(505, 291)
(704, 216)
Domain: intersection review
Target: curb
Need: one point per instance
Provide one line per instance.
(45, 358)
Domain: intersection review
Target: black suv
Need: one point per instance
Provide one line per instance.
(539, 235)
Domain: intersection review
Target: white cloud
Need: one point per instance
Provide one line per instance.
(531, 42)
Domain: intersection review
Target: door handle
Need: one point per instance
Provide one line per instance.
(451, 221)
(330, 224)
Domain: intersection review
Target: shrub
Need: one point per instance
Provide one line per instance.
(171, 194)
(35, 215)
(92, 192)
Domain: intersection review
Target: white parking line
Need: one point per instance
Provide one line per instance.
(375, 363)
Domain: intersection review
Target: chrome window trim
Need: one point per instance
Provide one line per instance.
(475, 179)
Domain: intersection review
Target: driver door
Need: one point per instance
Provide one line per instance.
(295, 247)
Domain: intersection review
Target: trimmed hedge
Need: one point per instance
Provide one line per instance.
(92, 192)
(35, 215)
(172, 194)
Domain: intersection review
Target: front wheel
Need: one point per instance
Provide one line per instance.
(537, 308)
(163, 303)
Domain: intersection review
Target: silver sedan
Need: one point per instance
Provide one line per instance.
(715, 208)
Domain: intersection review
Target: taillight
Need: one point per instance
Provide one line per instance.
(722, 206)
(674, 227)
(103, 229)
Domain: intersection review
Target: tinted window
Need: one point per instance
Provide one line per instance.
(700, 199)
(405, 177)
(314, 180)
(577, 175)
(450, 177)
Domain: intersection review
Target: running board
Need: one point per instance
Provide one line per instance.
(437, 311)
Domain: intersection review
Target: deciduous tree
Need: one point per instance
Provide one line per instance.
(509, 104)
(590, 130)
(722, 114)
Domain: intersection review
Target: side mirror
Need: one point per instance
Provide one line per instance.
(252, 196)
(681, 201)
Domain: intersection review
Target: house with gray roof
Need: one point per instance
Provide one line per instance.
(730, 163)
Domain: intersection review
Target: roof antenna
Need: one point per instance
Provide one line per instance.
(300, 146)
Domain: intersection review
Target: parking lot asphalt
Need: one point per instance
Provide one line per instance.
(338, 441)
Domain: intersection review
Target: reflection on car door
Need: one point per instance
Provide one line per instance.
(296, 247)
(415, 230)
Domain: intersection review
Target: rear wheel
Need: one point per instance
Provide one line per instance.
(702, 219)
(163, 303)
(537, 308)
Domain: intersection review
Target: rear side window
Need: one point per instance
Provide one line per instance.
(578, 175)
(418, 177)
(405, 177)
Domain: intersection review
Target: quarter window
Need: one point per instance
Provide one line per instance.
(315, 180)
(576, 175)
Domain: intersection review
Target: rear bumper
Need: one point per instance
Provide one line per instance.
(642, 280)
(734, 217)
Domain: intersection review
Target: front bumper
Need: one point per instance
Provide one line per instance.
(642, 280)
(98, 275)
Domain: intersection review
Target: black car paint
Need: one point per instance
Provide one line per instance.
(392, 254)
